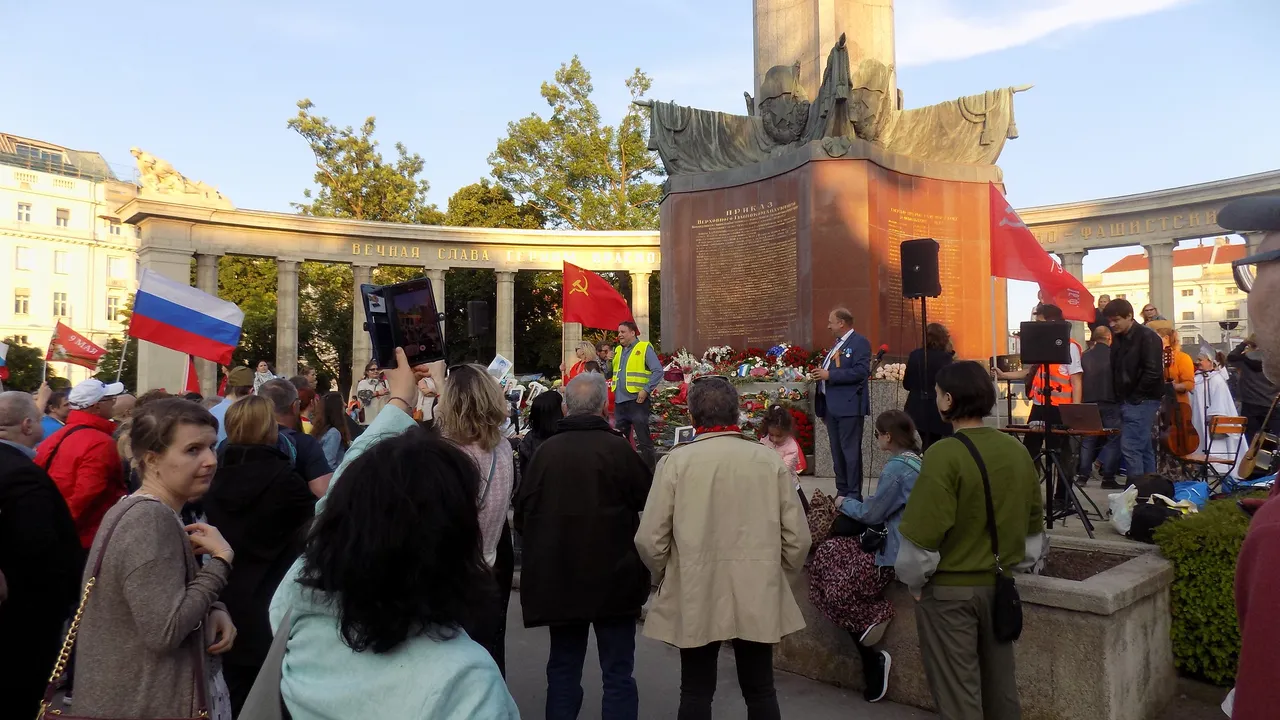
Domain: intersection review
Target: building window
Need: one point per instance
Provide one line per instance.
(24, 212)
(1122, 296)
(1232, 290)
(60, 262)
(113, 228)
(22, 302)
(113, 308)
(1189, 315)
(63, 217)
(60, 305)
(116, 268)
(1233, 314)
(22, 339)
(41, 155)
(22, 258)
(137, 232)
(1188, 293)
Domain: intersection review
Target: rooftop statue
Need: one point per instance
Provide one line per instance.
(158, 176)
(969, 130)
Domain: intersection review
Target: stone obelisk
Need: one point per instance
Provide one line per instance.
(804, 31)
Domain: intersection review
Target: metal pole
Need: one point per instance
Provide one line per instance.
(124, 351)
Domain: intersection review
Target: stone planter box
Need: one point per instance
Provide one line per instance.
(1097, 649)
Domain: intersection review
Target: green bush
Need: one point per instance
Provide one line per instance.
(1203, 549)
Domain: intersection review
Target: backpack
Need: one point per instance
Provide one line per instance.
(1147, 516)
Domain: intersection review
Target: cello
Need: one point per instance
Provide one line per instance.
(1177, 433)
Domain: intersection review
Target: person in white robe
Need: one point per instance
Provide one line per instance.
(1212, 398)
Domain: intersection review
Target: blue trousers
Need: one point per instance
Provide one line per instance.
(845, 436)
(1136, 432)
(616, 645)
(1109, 456)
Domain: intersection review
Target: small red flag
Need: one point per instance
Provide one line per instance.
(1015, 254)
(191, 382)
(589, 299)
(69, 346)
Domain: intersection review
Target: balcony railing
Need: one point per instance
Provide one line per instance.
(54, 167)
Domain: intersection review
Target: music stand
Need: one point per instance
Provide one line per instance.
(1048, 343)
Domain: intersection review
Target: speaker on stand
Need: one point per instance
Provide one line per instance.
(919, 263)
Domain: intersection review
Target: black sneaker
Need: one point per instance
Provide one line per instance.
(877, 677)
(1111, 485)
(1082, 481)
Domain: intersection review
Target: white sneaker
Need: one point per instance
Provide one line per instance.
(874, 634)
(876, 692)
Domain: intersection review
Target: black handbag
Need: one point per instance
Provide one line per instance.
(1006, 606)
(870, 537)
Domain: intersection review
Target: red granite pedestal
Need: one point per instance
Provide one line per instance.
(757, 256)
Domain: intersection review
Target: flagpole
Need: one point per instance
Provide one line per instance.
(995, 355)
(124, 351)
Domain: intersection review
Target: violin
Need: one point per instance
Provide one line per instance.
(1177, 433)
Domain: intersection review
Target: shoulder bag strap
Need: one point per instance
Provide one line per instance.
(986, 492)
(493, 463)
(48, 463)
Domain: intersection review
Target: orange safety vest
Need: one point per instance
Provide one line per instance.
(1059, 383)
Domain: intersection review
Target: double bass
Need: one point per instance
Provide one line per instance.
(1177, 433)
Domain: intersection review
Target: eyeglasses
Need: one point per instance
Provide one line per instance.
(1243, 269)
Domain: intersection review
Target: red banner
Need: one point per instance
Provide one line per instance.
(1017, 255)
(69, 346)
(590, 299)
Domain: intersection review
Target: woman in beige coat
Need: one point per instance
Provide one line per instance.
(721, 528)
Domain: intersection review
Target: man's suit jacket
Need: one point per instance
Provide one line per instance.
(847, 392)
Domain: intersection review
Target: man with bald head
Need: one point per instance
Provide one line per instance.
(39, 559)
(577, 510)
(1257, 694)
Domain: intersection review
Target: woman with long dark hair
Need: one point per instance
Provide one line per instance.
(262, 507)
(544, 414)
(329, 426)
(922, 368)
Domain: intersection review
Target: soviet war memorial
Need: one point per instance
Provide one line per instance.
(846, 359)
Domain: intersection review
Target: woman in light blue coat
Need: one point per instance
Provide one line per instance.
(391, 571)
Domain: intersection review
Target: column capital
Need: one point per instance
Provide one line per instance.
(294, 260)
(505, 275)
(210, 253)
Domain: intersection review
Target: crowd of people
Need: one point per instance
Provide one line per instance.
(196, 546)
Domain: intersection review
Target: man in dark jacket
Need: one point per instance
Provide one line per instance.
(578, 510)
(1137, 370)
(1256, 391)
(1099, 388)
(39, 558)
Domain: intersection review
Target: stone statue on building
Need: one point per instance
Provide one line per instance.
(159, 177)
(849, 107)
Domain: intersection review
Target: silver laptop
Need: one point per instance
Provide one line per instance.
(1081, 416)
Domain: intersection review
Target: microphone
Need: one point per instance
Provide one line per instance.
(880, 354)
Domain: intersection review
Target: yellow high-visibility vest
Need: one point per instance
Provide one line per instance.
(637, 374)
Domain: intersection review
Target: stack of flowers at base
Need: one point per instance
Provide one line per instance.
(669, 411)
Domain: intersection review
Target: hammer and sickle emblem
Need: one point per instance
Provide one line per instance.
(1011, 218)
(580, 285)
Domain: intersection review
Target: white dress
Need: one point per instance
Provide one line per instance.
(1212, 387)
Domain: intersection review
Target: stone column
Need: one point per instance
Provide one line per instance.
(160, 367)
(286, 317)
(1073, 263)
(506, 315)
(207, 281)
(640, 302)
(361, 349)
(436, 276)
(570, 336)
(1160, 273)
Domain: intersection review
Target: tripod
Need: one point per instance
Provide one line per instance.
(1053, 473)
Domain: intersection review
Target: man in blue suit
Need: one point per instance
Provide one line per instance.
(844, 400)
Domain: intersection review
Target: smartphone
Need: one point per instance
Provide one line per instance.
(405, 316)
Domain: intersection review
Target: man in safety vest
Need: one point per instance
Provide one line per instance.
(1066, 385)
(636, 372)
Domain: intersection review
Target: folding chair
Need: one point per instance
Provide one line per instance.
(1218, 425)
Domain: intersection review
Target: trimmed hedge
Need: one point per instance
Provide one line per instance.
(1203, 549)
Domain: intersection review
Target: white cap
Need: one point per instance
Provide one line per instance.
(91, 392)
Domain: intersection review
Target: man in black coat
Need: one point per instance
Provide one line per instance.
(577, 510)
(39, 557)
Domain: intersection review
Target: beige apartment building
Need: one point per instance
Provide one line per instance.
(64, 254)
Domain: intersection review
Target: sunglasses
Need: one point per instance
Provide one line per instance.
(1244, 272)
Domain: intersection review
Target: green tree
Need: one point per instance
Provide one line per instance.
(353, 179)
(109, 365)
(582, 173)
(250, 283)
(24, 363)
(483, 204)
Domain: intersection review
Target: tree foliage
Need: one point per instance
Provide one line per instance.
(109, 365)
(24, 363)
(352, 178)
(483, 204)
(582, 173)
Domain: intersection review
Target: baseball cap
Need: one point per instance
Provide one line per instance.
(92, 391)
(240, 377)
(1251, 213)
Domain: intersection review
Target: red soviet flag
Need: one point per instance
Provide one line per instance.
(1015, 254)
(68, 346)
(589, 299)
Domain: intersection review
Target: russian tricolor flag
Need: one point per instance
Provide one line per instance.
(182, 318)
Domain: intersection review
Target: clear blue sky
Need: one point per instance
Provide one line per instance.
(1130, 96)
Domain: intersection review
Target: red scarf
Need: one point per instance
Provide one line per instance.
(716, 429)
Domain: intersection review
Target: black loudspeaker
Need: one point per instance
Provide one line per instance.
(1045, 343)
(919, 260)
(477, 318)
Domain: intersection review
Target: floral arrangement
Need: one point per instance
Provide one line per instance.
(891, 371)
(718, 354)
